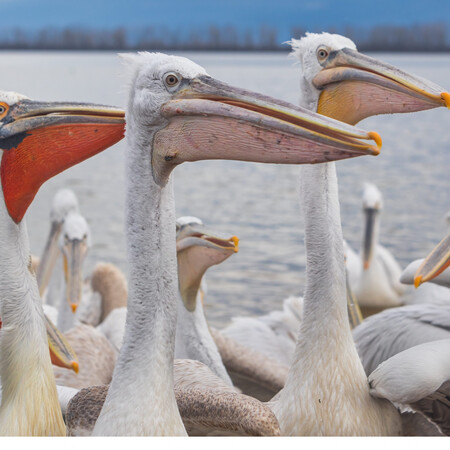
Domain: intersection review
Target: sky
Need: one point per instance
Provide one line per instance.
(243, 14)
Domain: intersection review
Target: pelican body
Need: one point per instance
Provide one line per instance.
(177, 113)
(38, 140)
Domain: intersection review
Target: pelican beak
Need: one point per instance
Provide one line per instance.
(74, 253)
(198, 249)
(40, 140)
(207, 119)
(354, 312)
(355, 86)
(49, 258)
(61, 352)
(369, 236)
(435, 263)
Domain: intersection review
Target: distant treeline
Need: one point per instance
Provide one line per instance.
(429, 37)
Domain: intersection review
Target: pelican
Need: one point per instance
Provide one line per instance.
(377, 284)
(38, 141)
(207, 405)
(177, 113)
(74, 244)
(327, 392)
(198, 249)
(70, 237)
(64, 203)
(393, 331)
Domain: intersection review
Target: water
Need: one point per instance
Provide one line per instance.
(256, 202)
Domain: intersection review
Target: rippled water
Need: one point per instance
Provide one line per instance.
(258, 203)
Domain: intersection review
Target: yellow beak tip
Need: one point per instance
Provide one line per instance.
(417, 281)
(74, 307)
(446, 97)
(75, 366)
(377, 138)
(235, 240)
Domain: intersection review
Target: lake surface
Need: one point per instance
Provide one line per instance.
(258, 203)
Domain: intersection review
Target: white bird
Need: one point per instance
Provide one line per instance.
(392, 331)
(49, 275)
(418, 378)
(74, 243)
(38, 140)
(326, 392)
(198, 248)
(173, 108)
(375, 282)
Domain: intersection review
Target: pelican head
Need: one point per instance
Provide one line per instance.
(64, 202)
(41, 139)
(350, 86)
(199, 248)
(193, 117)
(372, 205)
(75, 242)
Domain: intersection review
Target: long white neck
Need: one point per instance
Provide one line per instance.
(141, 399)
(194, 341)
(326, 390)
(29, 401)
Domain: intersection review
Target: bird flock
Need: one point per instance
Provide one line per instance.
(135, 356)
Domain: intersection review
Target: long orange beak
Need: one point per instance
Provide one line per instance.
(40, 140)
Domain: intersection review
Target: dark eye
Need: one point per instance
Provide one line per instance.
(171, 80)
(2, 109)
(322, 53)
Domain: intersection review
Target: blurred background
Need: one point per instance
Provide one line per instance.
(221, 25)
(53, 50)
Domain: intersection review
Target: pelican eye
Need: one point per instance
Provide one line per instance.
(322, 53)
(171, 80)
(3, 109)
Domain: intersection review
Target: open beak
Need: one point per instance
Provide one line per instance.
(206, 118)
(74, 253)
(198, 249)
(49, 258)
(435, 263)
(355, 86)
(369, 236)
(40, 140)
(198, 235)
(61, 352)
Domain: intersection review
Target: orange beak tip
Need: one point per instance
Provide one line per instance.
(235, 240)
(74, 307)
(377, 138)
(446, 97)
(366, 265)
(417, 281)
(75, 367)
